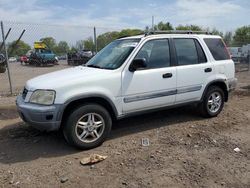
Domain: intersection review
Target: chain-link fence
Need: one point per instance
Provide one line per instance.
(242, 65)
(35, 49)
(241, 57)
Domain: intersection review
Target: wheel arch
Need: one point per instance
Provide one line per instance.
(219, 83)
(81, 100)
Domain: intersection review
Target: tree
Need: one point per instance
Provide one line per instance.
(106, 38)
(129, 32)
(62, 48)
(228, 38)
(19, 49)
(189, 27)
(73, 49)
(79, 45)
(50, 42)
(89, 44)
(163, 26)
(242, 36)
(216, 32)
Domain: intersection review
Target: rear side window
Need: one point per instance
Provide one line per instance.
(186, 51)
(217, 48)
(201, 54)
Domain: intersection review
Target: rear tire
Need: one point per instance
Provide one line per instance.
(213, 102)
(87, 126)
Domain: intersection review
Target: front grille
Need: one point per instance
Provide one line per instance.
(25, 91)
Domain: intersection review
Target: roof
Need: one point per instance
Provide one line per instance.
(174, 35)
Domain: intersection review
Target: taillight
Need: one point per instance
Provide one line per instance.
(227, 49)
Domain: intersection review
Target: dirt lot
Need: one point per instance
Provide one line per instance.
(21, 73)
(185, 150)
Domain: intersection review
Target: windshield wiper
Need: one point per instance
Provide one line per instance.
(94, 66)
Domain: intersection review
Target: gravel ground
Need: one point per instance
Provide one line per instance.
(184, 150)
(21, 73)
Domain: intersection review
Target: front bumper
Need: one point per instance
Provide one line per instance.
(44, 118)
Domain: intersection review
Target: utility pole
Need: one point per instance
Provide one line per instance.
(153, 24)
(95, 41)
(248, 57)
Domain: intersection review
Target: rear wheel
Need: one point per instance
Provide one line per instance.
(213, 102)
(87, 126)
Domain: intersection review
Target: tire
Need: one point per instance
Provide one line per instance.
(213, 102)
(2, 68)
(87, 126)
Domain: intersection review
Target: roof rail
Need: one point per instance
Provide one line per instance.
(177, 32)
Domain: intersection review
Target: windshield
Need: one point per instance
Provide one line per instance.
(114, 54)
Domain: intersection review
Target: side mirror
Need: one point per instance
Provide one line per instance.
(137, 64)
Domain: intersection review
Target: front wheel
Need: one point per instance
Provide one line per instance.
(87, 126)
(213, 102)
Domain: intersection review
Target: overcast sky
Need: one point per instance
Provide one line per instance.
(117, 14)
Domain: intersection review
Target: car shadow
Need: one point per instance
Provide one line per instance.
(20, 142)
(154, 120)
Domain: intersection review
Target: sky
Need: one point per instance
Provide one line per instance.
(108, 15)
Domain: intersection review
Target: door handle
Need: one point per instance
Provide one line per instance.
(208, 69)
(167, 75)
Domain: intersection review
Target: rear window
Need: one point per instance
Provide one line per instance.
(217, 48)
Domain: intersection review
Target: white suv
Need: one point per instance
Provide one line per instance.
(129, 76)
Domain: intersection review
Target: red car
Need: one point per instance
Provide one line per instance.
(24, 59)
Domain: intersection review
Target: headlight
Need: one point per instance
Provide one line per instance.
(45, 97)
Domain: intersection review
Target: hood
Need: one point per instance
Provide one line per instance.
(65, 77)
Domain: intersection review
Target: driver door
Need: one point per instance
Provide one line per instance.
(153, 86)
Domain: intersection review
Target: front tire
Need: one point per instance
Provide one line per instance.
(87, 126)
(213, 102)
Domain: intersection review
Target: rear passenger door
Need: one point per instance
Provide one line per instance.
(193, 70)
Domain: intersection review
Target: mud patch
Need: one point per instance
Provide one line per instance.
(246, 87)
(244, 91)
(247, 114)
(10, 113)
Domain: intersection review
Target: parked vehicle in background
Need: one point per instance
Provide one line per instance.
(62, 57)
(56, 60)
(79, 58)
(246, 52)
(86, 53)
(29, 53)
(41, 56)
(24, 59)
(130, 76)
(12, 59)
(240, 54)
(2, 64)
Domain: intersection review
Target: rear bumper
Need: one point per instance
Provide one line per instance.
(44, 118)
(232, 83)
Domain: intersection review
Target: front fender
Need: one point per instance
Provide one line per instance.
(76, 100)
